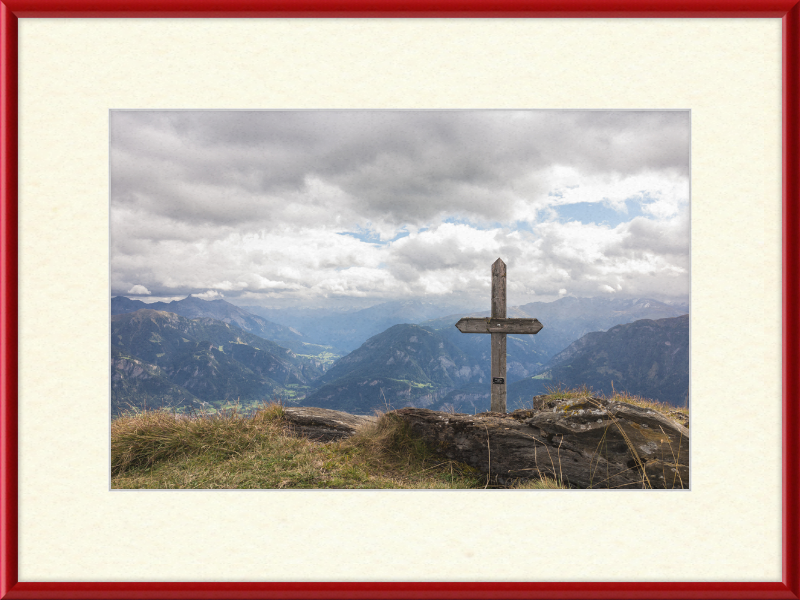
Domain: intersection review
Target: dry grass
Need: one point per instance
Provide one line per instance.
(143, 438)
(160, 450)
(660, 407)
(559, 392)
(163, 450)
(543, 483)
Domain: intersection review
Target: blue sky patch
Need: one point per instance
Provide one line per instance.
(372, 237)
(473, 224)
(599, 212)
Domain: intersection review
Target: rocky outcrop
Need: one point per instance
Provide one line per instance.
(322, 424)
(584, 442)
(681, 418)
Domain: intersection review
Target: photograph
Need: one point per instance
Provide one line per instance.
(400, 299)
(343, 300)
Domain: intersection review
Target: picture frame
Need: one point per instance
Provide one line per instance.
(10, 586)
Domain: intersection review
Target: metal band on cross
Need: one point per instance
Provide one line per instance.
(499, 327)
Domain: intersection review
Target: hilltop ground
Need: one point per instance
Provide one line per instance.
(161, 450)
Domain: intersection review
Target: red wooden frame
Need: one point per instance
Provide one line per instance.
(11, 10)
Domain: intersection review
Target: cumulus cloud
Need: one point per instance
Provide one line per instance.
(139, 290)
(313, 205)
(209, 295)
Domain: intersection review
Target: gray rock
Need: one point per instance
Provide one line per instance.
(322, 424)
(584, 442)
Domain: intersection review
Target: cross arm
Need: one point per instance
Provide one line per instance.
(479, 325)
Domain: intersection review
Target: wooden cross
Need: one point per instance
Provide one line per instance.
(499, 327)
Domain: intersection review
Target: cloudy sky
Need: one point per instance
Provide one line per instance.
(316, 208)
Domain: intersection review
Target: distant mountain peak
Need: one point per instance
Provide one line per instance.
(192, 307)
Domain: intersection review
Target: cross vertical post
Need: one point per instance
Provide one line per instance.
(499, 326)
(498, 339)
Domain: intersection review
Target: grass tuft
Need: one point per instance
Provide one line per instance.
(660, 407)
(559, 392)
(141, 439)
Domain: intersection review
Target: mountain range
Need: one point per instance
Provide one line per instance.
(410, 365)
(160, 358)
(349, 329)
(215, 352)
(565, 320)
(221, 310)
(647, 358)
